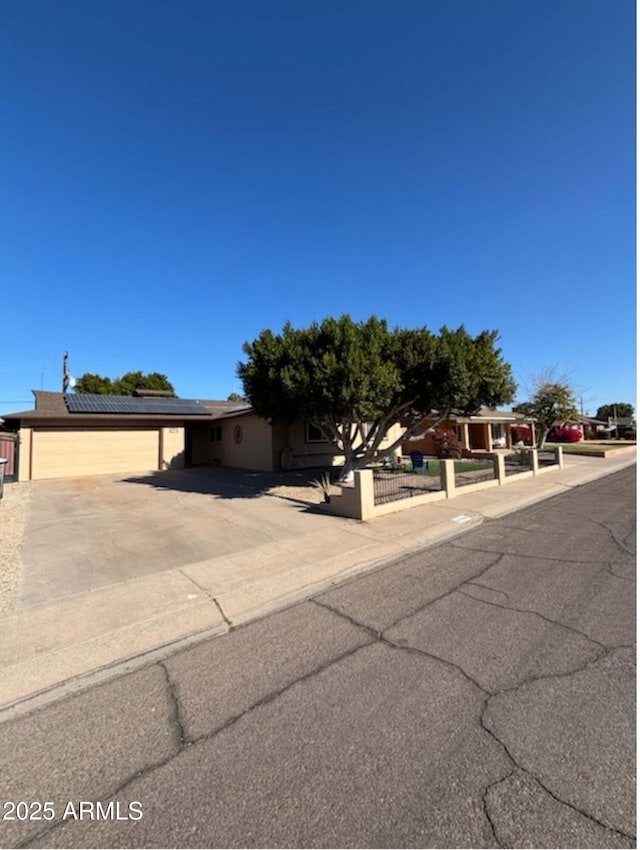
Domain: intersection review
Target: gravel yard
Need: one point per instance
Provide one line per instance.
(12, 520)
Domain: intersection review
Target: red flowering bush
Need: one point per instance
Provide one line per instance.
(563, 434)
(446, 444)
(521, 434)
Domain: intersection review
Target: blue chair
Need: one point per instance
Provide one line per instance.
(417, 459)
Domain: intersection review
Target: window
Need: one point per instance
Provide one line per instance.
(313, 434)
(215, 434)
(496, 431)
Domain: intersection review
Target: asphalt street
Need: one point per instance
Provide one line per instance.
(480, 693)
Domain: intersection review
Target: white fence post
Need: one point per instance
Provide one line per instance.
(498, 469)
(534, 461)
(448, 477)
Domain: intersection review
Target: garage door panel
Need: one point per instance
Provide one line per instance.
(66, 454)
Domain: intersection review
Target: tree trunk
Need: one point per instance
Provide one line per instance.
(542, 437)
(346, 473)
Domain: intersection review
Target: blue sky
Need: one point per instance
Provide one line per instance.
(178, 176)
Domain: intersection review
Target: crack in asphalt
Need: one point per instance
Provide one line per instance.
(172, 690)
(413, 650)
(526, 770)
(609, 568)
(536, 614)
(491, 695)
(544, 787)
(606, 528)
(546, 791)
(186, 741)
(526, 555)
(485, 805)
(426, 605)
(487, 587)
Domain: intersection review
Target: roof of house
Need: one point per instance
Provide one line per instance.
(147, 408)
(486, 414)
(221, 409)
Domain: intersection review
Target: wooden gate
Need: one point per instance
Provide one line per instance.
(9, 449)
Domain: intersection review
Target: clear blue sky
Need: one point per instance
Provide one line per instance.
(177, 176)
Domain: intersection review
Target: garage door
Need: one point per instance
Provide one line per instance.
(67, 454)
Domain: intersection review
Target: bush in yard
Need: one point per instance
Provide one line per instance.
(562, 434)
(446, 444)
(521, 434)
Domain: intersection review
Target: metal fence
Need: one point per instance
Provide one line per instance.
(389, 485)
(471, 471)
(546, 458)
(517, 462)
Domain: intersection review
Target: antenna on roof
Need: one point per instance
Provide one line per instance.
(65, 372)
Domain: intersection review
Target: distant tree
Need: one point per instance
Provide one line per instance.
(91, 383)
(235, 397)
(620, 409)
(131, 381)
(353, 381)
(126, 385)
(552, 401)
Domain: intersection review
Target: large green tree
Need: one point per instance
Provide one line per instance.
(353, 380)
(92, 383)
(617, 410)
(125, 385)
(552, 400)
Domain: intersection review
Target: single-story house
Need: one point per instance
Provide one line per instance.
(485, 431)
(71, 435)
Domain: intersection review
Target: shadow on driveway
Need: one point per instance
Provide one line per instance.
(225, 483)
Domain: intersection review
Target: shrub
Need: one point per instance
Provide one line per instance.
(591, 435)
(521, 434)
(446, 444)
(521, 457)
(563, 434)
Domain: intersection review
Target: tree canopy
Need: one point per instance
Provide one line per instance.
(617, 410)
(353, 380)
(125, 385)
(553, 400)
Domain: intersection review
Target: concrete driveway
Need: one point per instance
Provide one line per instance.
(86, 533)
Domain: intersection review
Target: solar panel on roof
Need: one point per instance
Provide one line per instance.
(126, 405)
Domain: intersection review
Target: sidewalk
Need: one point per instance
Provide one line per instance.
(56, 648)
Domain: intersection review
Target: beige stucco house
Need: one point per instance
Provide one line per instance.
(69, 435)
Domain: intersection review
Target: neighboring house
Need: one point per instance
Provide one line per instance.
(72, 435)
(622, 425)
(484, 432)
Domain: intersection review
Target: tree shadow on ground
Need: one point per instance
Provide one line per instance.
(225, 483)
